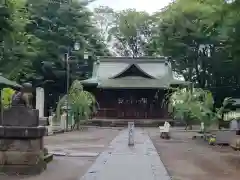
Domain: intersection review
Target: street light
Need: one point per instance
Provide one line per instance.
(85, 55)
(76, 47)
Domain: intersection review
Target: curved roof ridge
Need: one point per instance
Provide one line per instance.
(121, 72)
(130, 65)
(144, 72)
(131, 60)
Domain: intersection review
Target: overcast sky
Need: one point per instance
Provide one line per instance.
(141, 5)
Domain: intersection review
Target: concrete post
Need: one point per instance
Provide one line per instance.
(63, 122)
(202, 127)
(40, 101)
(50, 126)
(131, 133)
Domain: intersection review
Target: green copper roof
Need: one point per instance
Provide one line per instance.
(90, 80)
(133, 82)
(107, 69)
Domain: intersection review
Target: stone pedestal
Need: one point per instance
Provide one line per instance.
(21, 142)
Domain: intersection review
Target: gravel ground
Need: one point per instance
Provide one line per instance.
(187, 159)
(87, 142)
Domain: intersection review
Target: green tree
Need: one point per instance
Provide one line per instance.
(36, 31)
(103, 18)
(7, 94)
(82, 103)
(130, 32)
(16, 45)
(190, 106)
(6, 12)
(59, 26)
(191, 34)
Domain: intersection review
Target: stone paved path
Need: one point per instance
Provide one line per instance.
(120, 162)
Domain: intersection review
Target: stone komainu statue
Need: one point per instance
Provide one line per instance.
(24, 96)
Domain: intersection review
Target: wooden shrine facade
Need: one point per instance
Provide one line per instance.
(130, 104)
(127, 88)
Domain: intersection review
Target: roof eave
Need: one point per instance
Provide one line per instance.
(129, 66)
(131, 60)
(130, 87)
(89, 82)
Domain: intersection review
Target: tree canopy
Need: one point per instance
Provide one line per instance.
(200, 39)
(36, 32)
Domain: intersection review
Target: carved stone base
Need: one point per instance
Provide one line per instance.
(20, 116)
(22, 145)
(22, 156)
(23, 169)
(16, 132)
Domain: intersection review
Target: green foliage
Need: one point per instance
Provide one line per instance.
(7, 94)
(195, 105)
(16, 46)
(225, 107)
(103, 19)
(184, 27)
(36, 31)
(131, 32)
(128, 31)
(81, 103)
(58, 27)
(200, 37)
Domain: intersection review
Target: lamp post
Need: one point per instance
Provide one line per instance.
(85, 56)
(67, 58)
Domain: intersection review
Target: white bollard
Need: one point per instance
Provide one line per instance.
(40, 101)
(202, 127)
(50, 126)
(131, 133)
(63, 122)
